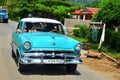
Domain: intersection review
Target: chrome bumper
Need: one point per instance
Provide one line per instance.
(66, 59)
(49, 61)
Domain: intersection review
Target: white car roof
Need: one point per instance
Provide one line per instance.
(40, 20)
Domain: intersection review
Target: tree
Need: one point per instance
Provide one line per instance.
(109, 13)
(57, 9)
(1, 2)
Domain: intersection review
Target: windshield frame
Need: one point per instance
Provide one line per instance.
(43, 27)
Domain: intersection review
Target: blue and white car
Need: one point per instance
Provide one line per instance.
(44, 41)
(3, 14)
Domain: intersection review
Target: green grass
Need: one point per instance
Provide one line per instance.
(94, 46)
(109, 52)
(79, 39)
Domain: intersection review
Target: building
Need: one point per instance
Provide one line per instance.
(84, 14)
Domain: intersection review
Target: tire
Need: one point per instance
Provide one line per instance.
(20, 66)
(71, 67)
(13, 54)
(5, 20)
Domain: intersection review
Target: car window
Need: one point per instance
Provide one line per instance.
(4, 11)
(42, 26)
(19, 26)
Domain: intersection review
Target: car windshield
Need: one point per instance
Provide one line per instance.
(4, 11)
(44, 27)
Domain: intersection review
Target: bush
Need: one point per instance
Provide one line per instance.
(112, 38)
(82, 32)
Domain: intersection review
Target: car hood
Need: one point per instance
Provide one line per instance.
(49, 40)
(2, 13)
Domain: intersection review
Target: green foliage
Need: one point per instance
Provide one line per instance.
(82, 32)
(82, 40)
(110, 52)
(1, 2)
(112, 40)
(109, 13)
(57, 9)
(111, 45)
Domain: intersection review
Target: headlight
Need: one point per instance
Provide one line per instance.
(27, 45)
(78, 47)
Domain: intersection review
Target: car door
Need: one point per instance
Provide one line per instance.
(16, 39)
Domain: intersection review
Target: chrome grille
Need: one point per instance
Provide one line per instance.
(51, 54)
(1, 16)
(56, 52)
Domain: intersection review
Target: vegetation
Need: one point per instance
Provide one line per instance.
(109, 13)
(83, 32)
(1, 2)
(57, 9)
(112, 40)
(111, 44)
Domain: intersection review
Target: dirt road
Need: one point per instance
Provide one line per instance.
(103, 65)
(8, 68)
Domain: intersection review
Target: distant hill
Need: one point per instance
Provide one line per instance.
(84, 2)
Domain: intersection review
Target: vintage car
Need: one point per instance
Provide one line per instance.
(44, 41)
(3, 14)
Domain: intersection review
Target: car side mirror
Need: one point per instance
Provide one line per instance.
(18, 31)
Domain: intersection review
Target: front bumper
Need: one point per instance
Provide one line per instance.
(2, 19)
(40, 58)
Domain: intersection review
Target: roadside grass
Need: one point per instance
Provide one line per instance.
(109, 52)
(78, 39)
(94, 46)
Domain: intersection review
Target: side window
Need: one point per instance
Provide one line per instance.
(19, 26)
(61, 29)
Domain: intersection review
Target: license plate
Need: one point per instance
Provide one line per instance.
(52, 61)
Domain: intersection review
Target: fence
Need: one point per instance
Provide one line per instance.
(70, 23)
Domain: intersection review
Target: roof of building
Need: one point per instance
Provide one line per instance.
(77, 12)
(86, 11)
(93, 10)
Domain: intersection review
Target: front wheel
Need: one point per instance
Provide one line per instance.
(20, 66)
(5, 20)
(13, 54)
(71, 67)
